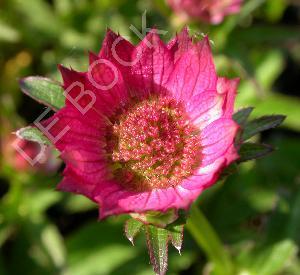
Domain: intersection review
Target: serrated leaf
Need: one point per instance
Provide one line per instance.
(261, 124)
(250, 151)
(241, 116)
(157, 242)
(44, 90)
(32, 134)
(132, 228)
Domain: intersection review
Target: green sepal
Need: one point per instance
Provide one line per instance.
(158, 237)
(229, 170)
(176, 236)
(261, 124)
(32, 134)
(241, 116)
(157, 243)
(44, 90)
(132, 228)
(157, 218)
(251, 151)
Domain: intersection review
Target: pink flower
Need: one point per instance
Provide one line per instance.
(24, 155)
(206, 10)
(160, 128)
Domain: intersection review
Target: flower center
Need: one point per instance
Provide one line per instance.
(154, 145)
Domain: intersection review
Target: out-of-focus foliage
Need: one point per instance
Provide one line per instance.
(256, 212)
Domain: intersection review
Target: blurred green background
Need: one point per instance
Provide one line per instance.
(256, 212)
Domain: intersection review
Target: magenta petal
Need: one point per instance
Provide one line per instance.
(231, 154)
(185, 196)
(81, 145)
(194, 72)
(92, 58)
(67, 128)
(122, 54)
(205, 108)
(84, 163)
(69, 75)
(92, 176)
(153, 67)
(205, 176)
(228, 89)
(216, 138)
(74, 186)
(77, 93)
(117, 49)
(86, 166)
(180, 44)
(107, 82)
(101, 88)
(145, 68)
(147, 200)
(211, 105)
(114, 200)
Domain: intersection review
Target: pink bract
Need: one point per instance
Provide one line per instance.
(210, 11)
(159, 132)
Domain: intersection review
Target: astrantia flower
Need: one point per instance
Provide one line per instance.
(210, 11)
(156, 129)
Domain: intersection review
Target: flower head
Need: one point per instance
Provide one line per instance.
(149, 126)
(206, 10)
(24, 155)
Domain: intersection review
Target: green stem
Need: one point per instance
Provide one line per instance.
(208, 240)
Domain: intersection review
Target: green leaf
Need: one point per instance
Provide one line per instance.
(5, 231)
(293, 226)
(283, 104)
(261, 124)
(40, 200)
(39, 17)
(2, 268)
(270, 66)
(75, 204)
(274, 259)
(266, 34)
(102, 246)
(8, 33)
(249, 151)
(44, 90)
(32, 134)
(54, 245)
(132, 228)
(157, 242)
(242, 115)
(47, 245)
(207, 238)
